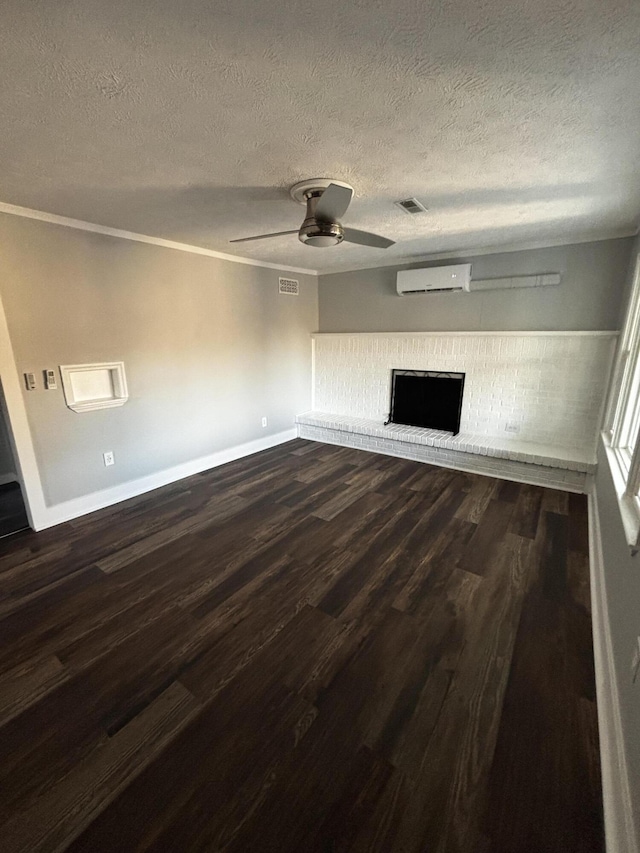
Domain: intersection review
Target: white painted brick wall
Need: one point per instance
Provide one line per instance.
(550, 386)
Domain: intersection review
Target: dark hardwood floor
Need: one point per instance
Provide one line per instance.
(314, 649)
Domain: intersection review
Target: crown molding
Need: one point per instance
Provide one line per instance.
(81, 225)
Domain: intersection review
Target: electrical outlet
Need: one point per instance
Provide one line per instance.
(635, 661)
(264, 422)
(512, 428)
(109, 458)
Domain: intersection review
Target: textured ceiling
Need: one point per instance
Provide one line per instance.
(514, 121)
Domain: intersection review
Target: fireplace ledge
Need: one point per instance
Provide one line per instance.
(576, 459)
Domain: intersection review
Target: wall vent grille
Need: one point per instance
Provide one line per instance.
(411, 205)
(288, 286)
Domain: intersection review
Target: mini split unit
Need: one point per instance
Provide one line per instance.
(458, 277)
(454, 277)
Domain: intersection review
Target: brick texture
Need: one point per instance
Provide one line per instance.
(525, 472)
(542, 388)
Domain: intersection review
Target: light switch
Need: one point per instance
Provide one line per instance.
(30, 381)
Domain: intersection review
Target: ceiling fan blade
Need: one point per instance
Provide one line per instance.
(333, 203)
(365, 238)
(263, 236)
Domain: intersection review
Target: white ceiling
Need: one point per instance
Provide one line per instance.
(514, 121)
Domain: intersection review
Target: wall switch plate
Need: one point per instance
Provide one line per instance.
(108, 458)
(264, 422)
(635, 661)
(50, 381)
(30, 381)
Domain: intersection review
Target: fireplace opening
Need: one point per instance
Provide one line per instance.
(427, 398)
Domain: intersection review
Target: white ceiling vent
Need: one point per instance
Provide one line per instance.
(411, 205)
(289, 286)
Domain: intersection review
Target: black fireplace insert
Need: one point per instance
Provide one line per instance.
(427, 398)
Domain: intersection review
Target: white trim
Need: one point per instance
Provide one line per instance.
(625, 355)
(118, 386)
(628, 503)
(602, 419)
(25, 457)
(596, 334)
(464, 255)
(81, 225)
(621, 439)
(76, 507)
(313, 372)
(618, 811)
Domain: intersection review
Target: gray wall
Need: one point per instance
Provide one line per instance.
(209, 348)
(589, 297)
(622, 581)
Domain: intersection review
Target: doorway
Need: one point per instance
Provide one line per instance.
(13, 513)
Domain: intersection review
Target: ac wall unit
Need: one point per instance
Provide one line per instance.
(429, 279)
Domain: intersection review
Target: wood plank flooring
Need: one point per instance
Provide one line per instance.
(314, 649)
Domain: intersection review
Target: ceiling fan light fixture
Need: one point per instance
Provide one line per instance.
(321, 241)
(321, 234)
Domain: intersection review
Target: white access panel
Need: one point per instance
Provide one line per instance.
(94, 386)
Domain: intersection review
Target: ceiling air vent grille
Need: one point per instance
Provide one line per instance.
(288, 286)
(411, 205)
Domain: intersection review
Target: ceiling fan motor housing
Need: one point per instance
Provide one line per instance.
(318, 232)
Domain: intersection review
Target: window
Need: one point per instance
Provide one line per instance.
(622, 425)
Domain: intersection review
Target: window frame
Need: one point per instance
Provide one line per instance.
(621, 432)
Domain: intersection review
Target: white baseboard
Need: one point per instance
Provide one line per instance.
(59, 513)
(616, 792)
(5, 479)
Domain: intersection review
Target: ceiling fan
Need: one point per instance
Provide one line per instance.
(327, 202)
